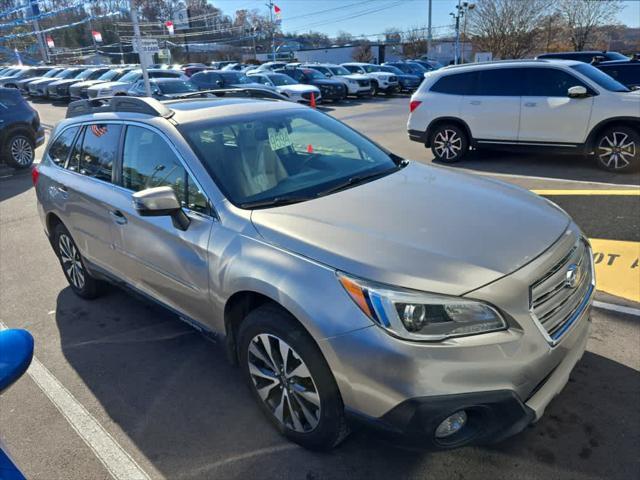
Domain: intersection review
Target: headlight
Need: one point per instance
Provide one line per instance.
(421, 316)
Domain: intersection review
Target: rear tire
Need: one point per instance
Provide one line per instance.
(449, 143)
(374, 89)
(19, 150)
(296, 391)
(80, 280)
(617, 149)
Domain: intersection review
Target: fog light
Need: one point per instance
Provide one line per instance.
(451, 424)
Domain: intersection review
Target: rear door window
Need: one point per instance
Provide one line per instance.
(99, 150)
(500, 82)
(60, 148)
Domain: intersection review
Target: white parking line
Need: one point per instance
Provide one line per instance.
(617, 308)
(116, 460)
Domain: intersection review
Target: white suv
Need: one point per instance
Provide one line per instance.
(552, 105)
(381, 81)
(357, 84)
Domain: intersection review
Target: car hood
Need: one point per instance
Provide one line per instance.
(250, 85)
(112, 85)
(67, 81)
(299, 88)
(383, 74)
(408, 76)
(44, 81)
(88, 83)
(423, 227)
(327, 81)
(356, 76)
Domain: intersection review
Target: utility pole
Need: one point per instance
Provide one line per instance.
(273, 30)
(462, 9)
(137, 39)
(429, 35)
(93, 39)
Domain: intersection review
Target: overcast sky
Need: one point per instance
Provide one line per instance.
(372, 16)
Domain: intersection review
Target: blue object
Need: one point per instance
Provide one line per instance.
(16, 352)
(8, 470)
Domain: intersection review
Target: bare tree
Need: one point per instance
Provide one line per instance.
(343, 37)
(414, 42)
(583, 19)
(362, 53)
(508, 28)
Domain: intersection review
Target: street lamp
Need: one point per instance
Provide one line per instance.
(462, 10)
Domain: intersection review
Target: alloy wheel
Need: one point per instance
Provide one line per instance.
(616, 150)
(447, 144)
(71, 261)
(21, 151)
(284, 383)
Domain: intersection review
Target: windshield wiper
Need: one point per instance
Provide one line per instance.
(276, 201)
(357, 179)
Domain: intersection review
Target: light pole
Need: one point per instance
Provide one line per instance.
(137, 40)
(273, 30)
(462, 9)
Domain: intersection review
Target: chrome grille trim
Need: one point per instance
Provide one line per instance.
(553, 305)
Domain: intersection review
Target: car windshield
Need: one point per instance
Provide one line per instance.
(13, 73)
(285, 157)
(52, 73)
(280, 79)
(109, 75)
(69, 73)
(415, 68)
(599, 77)
(86, 74)
(339, 71)
(179, 86)
(310, 73)
(235, 77)
(371, 68)
(132, 76)
(391, 69)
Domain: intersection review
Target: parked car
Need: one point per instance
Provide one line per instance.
(330, 89)
(548, 105)
(356, 84)
(627, 72)
(22, 74)
(267, 66)
(79, 90)
(215, 79)
(380, 81)
(163, 88)
(39, 88)
(20, 129)
(287, 86)
(428, 63)
(193, 69)
(586, 56)
(219, 65)
(23, 85)
(11, 72)
(407, 82)
(237, 67)
(410, 68)
(122, 86)
(280, 230)
(60, 90)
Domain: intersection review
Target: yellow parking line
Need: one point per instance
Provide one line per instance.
(617, 265)
(625, 192)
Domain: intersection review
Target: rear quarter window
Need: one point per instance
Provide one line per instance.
(60, 148)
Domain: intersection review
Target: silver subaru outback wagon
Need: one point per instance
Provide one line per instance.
(349, 285)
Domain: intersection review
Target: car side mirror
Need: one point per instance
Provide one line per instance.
(161, 202)
(328, 75)
(577, 92)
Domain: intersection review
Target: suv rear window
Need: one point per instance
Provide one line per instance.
(59, 150)
(456, 84)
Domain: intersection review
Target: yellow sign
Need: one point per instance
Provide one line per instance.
(617, 266)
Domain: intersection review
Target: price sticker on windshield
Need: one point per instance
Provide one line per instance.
(279, 139)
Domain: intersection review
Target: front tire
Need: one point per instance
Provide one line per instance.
(618, 149)
(290, 379)
(73, 266)
(20, 151)
(374, 89)
(449, 143)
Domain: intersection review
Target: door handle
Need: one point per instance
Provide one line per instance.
(475, 102)
(63, 190)
(530, 104)
(118, 217)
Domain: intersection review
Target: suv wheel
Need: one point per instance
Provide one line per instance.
(374, 89)
(73, 267)
(449, 143)
(19, 151)
(618, 149)
(290, 379)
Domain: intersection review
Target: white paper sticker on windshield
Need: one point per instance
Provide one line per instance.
(279, 139)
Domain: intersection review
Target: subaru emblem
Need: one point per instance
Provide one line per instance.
(572, 277)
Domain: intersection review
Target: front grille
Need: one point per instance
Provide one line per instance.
(559, 297)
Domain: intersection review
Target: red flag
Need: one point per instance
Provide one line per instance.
(169, 25)
(278, 11)
(50, 43)
(97, 36)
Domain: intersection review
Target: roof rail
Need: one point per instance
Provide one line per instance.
(145, 105)
(252, 92)
(498, 62)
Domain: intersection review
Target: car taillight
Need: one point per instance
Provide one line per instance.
(35, 175)
(413, 105)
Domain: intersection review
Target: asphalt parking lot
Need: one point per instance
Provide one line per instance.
(134, 376)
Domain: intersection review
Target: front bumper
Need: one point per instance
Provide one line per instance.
(333, 93)
(504, 380)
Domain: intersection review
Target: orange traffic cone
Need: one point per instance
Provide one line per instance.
(312, 103)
